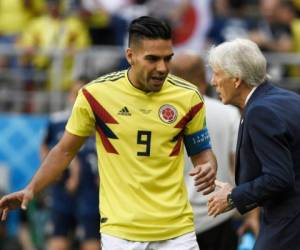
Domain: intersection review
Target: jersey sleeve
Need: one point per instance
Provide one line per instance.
(196, 136)
(82, 119)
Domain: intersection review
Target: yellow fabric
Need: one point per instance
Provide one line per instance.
(143, 198)
(99, 19)
(294, 70)
(14, 16)
(296, 4)
(46, 34)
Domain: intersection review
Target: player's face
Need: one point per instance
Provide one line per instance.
(225, 86)
(150, 61)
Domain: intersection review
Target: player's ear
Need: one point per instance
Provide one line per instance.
(129, 55)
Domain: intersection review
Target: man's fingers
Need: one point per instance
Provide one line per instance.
(4, 214)
(212, 210)
(2, 201)
(24, 203)
(28, 196)
(206, 186)
(201, 170)
(194, 171)
(210, 179)
(220, 184)
(208, 190)
(204, 177)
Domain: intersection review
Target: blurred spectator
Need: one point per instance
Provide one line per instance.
(14, 17)
(169, 10)
(287, 15)
(270, 33)
(134, 10)
(32, 231)
(106, 26)
(87, 200)
(76, 188)
(50, 37)
(16, 14)
(230, 21)
(189, 20)
(62, 193)
(220, 8)
(296, 4)
(222, 123)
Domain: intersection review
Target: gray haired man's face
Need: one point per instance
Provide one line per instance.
(224, 85)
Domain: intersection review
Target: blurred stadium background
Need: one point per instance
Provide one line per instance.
(46, 44)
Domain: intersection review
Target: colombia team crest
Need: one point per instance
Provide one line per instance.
(167, 113)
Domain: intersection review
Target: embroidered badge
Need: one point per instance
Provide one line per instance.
(167, 113)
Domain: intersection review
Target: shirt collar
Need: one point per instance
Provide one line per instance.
(250, 94)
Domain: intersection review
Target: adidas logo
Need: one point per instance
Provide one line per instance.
(124, 111)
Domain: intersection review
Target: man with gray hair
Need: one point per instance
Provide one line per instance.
(268, 149)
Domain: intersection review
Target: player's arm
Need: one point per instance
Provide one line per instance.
(56, 161)
(44, 147)
(198, 147)
(204, 171)
(44, 150)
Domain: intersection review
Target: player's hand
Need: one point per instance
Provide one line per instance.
(15, 200)
(218, 204)
(204, 177)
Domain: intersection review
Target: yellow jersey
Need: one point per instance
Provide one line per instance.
(61, 33)
(15, 15)
(140, 139)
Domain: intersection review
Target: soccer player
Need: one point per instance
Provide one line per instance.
(77, 187)
(87, 198)
(142, 117)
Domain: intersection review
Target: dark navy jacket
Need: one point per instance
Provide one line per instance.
(268, 166)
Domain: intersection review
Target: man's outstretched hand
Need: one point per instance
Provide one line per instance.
(218, 203)
(15, 200)
(204, 177)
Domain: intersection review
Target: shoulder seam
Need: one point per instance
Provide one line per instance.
(182, 81)
(111, 76)
(186, 87)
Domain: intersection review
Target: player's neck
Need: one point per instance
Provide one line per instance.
(134, 82)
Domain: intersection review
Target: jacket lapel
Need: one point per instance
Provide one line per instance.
(261, 89)
(238, 145)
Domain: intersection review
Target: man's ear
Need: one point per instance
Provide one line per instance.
(237, 82)
(129, 55)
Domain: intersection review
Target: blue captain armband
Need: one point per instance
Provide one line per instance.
(197, 142)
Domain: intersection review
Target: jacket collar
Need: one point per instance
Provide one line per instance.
(260, 90)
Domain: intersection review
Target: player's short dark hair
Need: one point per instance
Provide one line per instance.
(147, 27)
